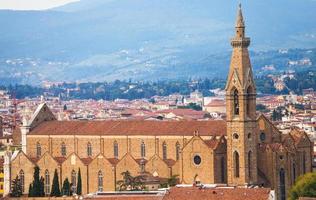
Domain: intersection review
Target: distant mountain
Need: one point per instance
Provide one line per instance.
(96, 40)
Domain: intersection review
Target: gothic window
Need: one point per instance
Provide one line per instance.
(294, 172)
(38, 149)
(236, 164)
(63, 149)
(74, 181)
(249, 163)
(89, 149)
(47, 183)
(100, 181)
(249, 99)
(115, 149)
(164, 150)
(262, 137)
(249, 136)
(22, 180)
(177, 151)
(222, 170)
(282, 184)
(236, 102)
(143, 150)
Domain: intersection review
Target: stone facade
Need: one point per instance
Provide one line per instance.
(243, 150)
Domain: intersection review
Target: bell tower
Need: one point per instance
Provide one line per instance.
(241, 111)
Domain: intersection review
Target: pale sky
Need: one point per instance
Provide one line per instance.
(32, 4)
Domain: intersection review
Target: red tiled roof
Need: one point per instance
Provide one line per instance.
(60, 159)
(86, 161)
(127, 197)
(212, 143)
(170, 162)
(113, 161)
(190, 193)
(131, 127)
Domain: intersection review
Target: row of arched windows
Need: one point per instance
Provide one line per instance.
(63, 150)
(237, 164)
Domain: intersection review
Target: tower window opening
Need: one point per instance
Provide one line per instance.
(236, 164)
(236, 102)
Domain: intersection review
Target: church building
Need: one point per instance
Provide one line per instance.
(245, 150)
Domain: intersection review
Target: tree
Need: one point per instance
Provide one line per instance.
(30, 190)
(79, 184)
(66, 187)
(36, 185)
(305, 186)
(41, 188)
(16, 187)
(130, 183)
(173, 180)
(55, 192)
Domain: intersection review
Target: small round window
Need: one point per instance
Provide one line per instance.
(197, 160)
(235, 136)
(262, 137)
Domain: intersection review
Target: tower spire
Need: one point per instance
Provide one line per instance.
(240, 19)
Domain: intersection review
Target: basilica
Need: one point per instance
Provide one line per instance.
(244, 150)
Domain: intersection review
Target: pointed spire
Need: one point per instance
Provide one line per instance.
(240, 20)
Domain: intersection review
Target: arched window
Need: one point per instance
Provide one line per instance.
(164, 150)
(282, 183)
(249, 99)
(177, 151)
(74, 181)
(38, 149)
(223, 170)
(22, 180)
(63, 149)
(100, 181)
(47, 183)
(236, 164)
(89, 149)
(304, 162)
(294, 173)
(236, 102)
(249, 163)
(115, 146)
(143, 150)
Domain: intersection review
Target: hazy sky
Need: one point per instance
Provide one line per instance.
(32, 4)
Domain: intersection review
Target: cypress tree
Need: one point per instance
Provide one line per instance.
(36, 183)
(66, 187)
(41, 190)
(30, 190)
(55, 192)
(16, 187)
(79, 184)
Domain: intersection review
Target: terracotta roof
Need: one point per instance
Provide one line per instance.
(86, 161)
(212, 143)
(131, 127)
(128, 197)
(141, 161)
(189, 193)
(60, 159)
(113, 161)
(170, 162)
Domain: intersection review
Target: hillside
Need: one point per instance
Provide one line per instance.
(97, 40)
